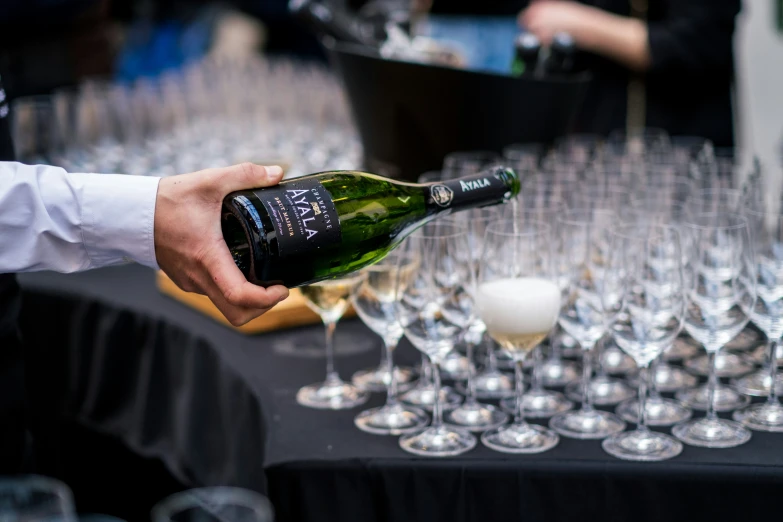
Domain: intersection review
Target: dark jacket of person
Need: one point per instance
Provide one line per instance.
(688, 87)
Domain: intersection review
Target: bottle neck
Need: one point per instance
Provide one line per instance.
(489, 187)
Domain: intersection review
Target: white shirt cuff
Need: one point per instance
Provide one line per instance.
(118, 219)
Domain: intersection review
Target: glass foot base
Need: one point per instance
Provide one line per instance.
(391, 420)
(668, 379)
(540, 404)
(331, 395)
(582, 424)
(490, 385)
(377, 379)
(558, 373)
(606, 391)
(760, 355)
(726, 399)
(455, 367)
(443, 441)
(424, 397)
(757, 384)
(615, 361)
(475, 417)
(682, 349)
(712, 433)
(642, 445)
(726, 365)
(520, 438)
(762, 417)
(660, 412)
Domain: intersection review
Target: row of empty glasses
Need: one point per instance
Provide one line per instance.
(207, 114)
(44, 499)
(636, 250)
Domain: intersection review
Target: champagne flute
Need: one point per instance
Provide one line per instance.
(330, 299)
(722, 294)
(584, 235)
(644, 290)
(518, 298)
(433, 307)
(374, 302)
(768, 316)
(539, 402)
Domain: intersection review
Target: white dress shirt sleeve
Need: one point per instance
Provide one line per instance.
(54, 220)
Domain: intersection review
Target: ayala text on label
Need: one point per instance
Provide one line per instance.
(303, 216)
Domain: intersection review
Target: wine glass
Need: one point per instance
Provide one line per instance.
(644, 291)
(214, 504)
(473, 415)
(767, 314)
(539, 402)
(433, 306)
(553, 191)
(722, 293)
(605, 390)
(518, 298)
(374, 303)
(32, 497)
(585, 238)
(524, 158)
(330, 299)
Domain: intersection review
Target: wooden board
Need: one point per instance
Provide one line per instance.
(290, 313)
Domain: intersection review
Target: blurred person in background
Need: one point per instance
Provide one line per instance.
(656, 63)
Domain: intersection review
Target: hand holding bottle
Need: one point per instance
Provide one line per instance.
(189, 244)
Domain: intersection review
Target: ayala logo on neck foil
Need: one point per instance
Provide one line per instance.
(442, 195)
(473, 184)
(303, 216)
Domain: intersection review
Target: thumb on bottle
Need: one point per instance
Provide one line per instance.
(249, 175)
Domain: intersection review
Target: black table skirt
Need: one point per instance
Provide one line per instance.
(107, 351)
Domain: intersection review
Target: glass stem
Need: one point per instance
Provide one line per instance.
(772, 398)
(538, 359)
(331, 372)
(426, 371)
(644, 375)
(471, 384)
(712, 384)
(492, 360)
(519, 378)
(437, 408)
(555, 345)
(384, 364)
(388, 359)
(653, 372)
(587, 371)
(599, 368)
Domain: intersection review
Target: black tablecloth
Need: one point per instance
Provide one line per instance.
(218, 407)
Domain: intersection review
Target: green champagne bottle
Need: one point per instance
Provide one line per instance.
(329, 224)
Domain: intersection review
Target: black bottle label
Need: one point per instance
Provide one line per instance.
(303, 215)
(475, 191)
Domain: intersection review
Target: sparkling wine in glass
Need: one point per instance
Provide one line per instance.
(518, 299)
(330, 299)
